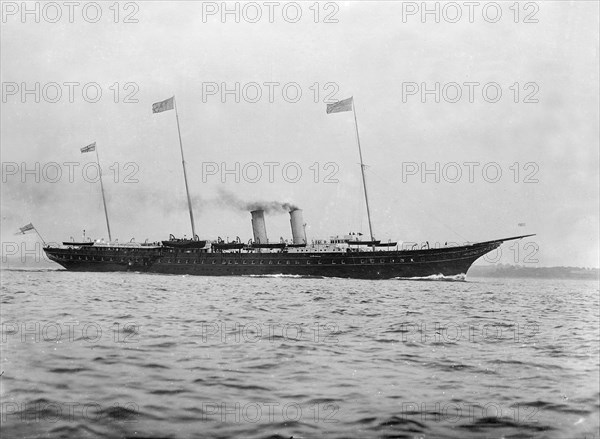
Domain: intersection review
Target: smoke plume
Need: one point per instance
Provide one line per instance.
(227, 199)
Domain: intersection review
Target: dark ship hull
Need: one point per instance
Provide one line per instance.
(387, 264)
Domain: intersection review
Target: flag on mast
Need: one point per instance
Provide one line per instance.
(338, 107)
(91, 147)
(165, 105)
(24, 229)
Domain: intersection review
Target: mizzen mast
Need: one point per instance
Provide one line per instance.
(348, 105)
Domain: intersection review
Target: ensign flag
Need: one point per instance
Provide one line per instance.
(165, 105)
(91, 147)
(338, 107)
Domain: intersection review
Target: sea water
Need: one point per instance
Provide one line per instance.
(139, 355)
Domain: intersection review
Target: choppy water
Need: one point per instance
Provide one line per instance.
(134, 355)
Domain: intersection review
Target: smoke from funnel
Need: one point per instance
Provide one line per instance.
(227, 199)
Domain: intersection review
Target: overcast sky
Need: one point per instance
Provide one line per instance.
(547, 151)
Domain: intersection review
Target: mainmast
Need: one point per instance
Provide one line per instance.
(187, 190)
(362, 171)
(170, 104)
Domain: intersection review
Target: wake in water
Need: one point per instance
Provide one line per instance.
(293, 276)
(438, 277)
(32, 270)
(434, 277)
